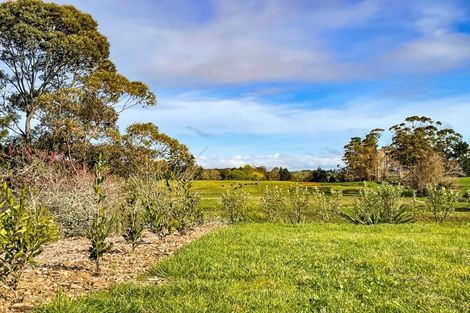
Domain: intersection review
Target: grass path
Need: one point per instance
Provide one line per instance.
(306, 268)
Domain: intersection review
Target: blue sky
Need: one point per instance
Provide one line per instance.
(287, 83)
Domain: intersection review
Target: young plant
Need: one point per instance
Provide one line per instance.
(383, 205)
(101, 223)
(234, 204)
(23, 232)
(299, 199)
(184, 205)
(135, 223)
(440, 202)
(157, 217)
(327, 206)
(467, 196)
(273, 203)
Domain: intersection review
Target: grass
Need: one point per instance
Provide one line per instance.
(464, 183)
(305, 268)
(211, 193)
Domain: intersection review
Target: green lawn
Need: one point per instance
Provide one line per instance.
(306, 268)
(464, 182)
(211, 193)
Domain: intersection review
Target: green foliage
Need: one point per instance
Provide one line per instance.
(57, 73)
(23, 231)
(246, 172)
(326, 207)
(284, 174)
(440, 201)
(102, 223)
(467, 196)
(273, 203)
(381, 205)
(144, 151)
(425, 151)
(158, 217)
(135, 223)
(184, 205)
(167, 204)
(362, 157)
(234, 204)
(46, 47)
(299, 199)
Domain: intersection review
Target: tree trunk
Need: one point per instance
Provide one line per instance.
(27, 127)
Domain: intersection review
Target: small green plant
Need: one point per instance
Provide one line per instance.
(184, 207)
(23, 232)
(467, 196)
(234, 204)
(102, 223)
(273, 203)
(440, 202)
(299, 199)
(382, 205)
(157, 216)
(135, 223)
(327, 207)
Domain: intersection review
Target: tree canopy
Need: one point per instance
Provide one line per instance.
(57, 72)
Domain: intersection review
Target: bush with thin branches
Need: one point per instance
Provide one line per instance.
(299, 199)
(326, 207)
(234, 204)
(273, 203)
(440, 201)
(382, 205)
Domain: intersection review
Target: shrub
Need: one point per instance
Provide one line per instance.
(234, 204)
(72, 204)
(383, 205)
(299, 199)
(135, 223)
(440, 202)
(467, 196)
(157, 217)
(72, 201)
(326, 207)
(168, 204)
(184, 207)
(23, 231)
(153, 198)
(273, 203)
(102, 223)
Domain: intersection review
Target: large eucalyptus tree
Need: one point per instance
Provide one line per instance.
(54, 65)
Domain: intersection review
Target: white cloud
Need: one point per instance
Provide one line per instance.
(247, 116)
(240, 41)
(309, 129)
(290, 161)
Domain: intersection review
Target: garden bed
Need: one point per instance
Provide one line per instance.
(64, 267)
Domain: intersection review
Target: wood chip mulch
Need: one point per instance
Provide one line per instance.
(64, 266)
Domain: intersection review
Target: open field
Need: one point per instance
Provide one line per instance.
(306, 268)
(211, 192)
(464, 182)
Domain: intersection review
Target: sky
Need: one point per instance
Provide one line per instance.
(288, 82)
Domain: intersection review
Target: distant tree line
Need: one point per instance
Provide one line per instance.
(249, 172)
